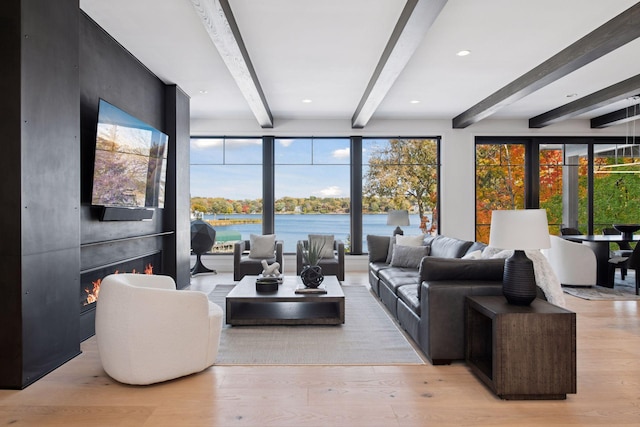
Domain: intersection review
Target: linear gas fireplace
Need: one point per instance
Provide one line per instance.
(90, 280)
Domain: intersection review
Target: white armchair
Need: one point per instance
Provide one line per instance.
(148, 332)
(574, 263)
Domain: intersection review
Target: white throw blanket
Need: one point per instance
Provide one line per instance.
(546, 279)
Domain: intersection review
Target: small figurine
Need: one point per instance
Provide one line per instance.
(270, 270)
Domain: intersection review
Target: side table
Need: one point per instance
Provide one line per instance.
(521, 352)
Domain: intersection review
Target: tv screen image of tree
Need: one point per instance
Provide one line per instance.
(130, 161)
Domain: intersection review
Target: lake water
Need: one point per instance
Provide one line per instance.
(291, 228)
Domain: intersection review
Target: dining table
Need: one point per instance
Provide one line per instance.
(600, 245)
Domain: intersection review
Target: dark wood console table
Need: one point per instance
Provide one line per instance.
(521, 352)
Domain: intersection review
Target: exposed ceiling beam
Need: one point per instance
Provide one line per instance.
(218, 19)
(601, 98)
(414, 22)
(615, 33)
(618, 117)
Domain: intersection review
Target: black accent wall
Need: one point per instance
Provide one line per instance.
(40, 190)
(56, 64)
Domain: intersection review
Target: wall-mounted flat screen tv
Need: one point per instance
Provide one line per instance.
(130, 161)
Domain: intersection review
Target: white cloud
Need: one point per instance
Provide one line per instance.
(206, 143)
(332, 191)
(285, 142)
(341, 153)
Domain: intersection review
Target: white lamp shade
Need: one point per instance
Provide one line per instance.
(519, 229)
(400, 217)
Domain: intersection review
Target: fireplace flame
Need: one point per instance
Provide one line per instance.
(92, 295)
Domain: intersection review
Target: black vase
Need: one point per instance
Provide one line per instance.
(311, 276)
(519, 282)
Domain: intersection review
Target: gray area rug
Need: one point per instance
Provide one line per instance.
(368, 337)
(620, 292)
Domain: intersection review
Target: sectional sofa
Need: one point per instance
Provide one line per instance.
(425, 288)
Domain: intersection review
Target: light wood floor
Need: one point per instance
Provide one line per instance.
(80, 394)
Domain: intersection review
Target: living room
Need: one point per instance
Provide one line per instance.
(64, 59)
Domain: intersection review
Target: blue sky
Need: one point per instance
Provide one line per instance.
(304, 167)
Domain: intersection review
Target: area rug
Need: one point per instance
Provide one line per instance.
(368, 337)
(620, 292)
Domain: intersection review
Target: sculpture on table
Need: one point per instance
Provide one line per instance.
(272, 270)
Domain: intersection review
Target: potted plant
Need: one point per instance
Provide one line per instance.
(311, 273)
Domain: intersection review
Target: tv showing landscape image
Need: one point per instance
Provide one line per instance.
(130, 161)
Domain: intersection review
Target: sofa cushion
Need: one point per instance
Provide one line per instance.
(438, 269)
(449, 247)
(378, 247)
(395, 277)
(434, 268)
(408, 256)
(477, 246)
(409, 295)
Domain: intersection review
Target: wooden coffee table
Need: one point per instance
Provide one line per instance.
(245, 306)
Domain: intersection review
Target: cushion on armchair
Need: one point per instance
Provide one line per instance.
(262, 247)
(324, 240)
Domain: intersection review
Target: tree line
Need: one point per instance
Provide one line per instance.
(289, 205)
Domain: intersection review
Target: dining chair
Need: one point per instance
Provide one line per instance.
(624, 250)
(632, 261)
(570, 231)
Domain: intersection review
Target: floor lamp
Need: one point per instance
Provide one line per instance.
(519, 230)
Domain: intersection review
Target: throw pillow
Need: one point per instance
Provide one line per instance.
(473, 255)
(409, 240)
(392, 243)
(408, 256)
(323, 239)
(262, 247)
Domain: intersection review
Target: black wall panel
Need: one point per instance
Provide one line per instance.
(56, 64)
(110, 72)
(178, 246)
(42, 196)
(10, 214)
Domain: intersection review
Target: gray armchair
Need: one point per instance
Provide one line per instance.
(330, 266)
(244, 265)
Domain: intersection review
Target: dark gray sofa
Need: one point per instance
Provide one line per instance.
(428, 301)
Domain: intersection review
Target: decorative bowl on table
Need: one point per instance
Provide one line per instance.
(627, 230)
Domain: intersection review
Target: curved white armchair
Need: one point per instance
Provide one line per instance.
(574, 263)
(148, 332)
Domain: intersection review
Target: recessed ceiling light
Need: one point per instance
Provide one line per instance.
(203, 91)
(307, 101)
(414, 101)
(463, 52)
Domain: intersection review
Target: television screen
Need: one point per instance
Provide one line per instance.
(130, 161)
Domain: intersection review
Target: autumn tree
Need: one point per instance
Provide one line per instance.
(406, 172)
(499, 182)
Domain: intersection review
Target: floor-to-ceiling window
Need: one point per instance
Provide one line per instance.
(564, 185)
(312, 181)
(583, 183)
(312, 177)
(500, 182)
(616, 185)
(226, 187)
(400, 174)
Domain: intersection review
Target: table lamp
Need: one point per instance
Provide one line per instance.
(398, 218)
(519, 230)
